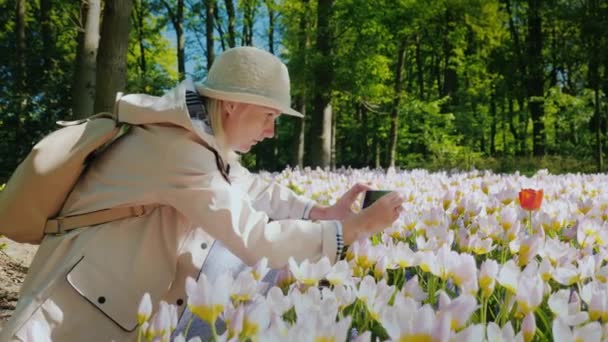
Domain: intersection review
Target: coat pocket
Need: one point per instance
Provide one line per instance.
(112, 296)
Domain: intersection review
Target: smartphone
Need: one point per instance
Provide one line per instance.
(372, 196)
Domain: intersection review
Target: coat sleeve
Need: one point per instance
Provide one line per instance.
(278, 201)
(225, 211)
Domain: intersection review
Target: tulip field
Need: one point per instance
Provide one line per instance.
(475, 256)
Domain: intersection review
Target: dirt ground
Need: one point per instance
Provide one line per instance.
(14, 261)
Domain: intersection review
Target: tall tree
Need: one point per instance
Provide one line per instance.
(112, 55)
(321, 120)
(450, 75)
(518, 76)
(298, 13)
(47, 33)
(83, 88)
(536, 76)
(592, 38)
(139, 16)
(266, 153)
(20, 50)
(231, 23)
(394, 118)
(210, 6)
(300, 137)
(20, 85)
(176, 15)
(218, 25)
(270, 6)
(151, 57)
(419, 66)
(249, 8)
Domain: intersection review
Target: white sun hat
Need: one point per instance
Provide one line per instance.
(249, 75)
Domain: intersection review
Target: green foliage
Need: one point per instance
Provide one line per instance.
(530, 165)
(2, 245)
(462, 101)
(155, 72)
(569, 116)
(29, 111)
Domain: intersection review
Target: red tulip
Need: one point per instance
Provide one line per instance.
(530, 199)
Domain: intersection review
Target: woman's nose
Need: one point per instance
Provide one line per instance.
(269, 130)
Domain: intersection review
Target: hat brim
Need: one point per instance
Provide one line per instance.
(246, 98)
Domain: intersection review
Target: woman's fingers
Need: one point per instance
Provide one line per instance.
(357, 189)
(393, 199)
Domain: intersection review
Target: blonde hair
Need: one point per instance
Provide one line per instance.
(215, 110)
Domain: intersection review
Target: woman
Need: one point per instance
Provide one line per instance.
(86, 284)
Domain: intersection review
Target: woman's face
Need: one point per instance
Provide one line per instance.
(246, 124)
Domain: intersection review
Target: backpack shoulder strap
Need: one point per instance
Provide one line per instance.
(59, 225)
(62, 224)
(106, 115)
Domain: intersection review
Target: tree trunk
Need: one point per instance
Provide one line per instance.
(557, 139)
(493, 124)
(394, 130)
(181, 40)
(554, 59)
(274, 143)
(333, 142)
(83, 89)
(47, 35)
(218, 25)
(302, 99)
(266, 153)
(376, 147)
(450, 77)
(516, 40)
(112, 54)
(14, 123)
(419, 68)
(503, 116)
(536, 76)
(20, 47)
(437, 72)
(270, 6)
(364, 129)
(210, 6)
(177, 19)
(591, 31)
(139, 11)
(604, 87)
(320, 130)
(300, 131)
(245, 26)
(231, 23)
(513, 128)
(598, 132)
(482, 135)
(522, 125)
(518, 89)
(249, 8)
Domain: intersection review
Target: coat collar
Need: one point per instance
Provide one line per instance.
(142, 109)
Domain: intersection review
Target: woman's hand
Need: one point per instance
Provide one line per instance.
(342, 208)
(373, 219)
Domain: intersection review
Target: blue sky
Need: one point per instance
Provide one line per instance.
(193, 48)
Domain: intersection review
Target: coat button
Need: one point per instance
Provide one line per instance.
(204, 245)
(101, 300)
(179, 302)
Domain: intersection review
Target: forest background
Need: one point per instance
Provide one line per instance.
(448, 84)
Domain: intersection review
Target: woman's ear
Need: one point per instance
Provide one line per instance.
(229, 107)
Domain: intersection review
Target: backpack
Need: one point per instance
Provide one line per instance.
(38, 188)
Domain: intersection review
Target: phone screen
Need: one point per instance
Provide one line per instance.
(372, 196)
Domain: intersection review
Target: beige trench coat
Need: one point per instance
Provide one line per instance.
(87, 284)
